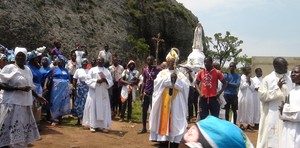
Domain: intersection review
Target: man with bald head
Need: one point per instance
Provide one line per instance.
(97, 111)
(273, 90)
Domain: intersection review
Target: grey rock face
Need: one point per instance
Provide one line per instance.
(34, 23)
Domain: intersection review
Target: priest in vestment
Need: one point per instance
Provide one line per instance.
(167, 121)
(291, 114)
(273, 90)
(245, 100)
(257, 80)
(97, 111)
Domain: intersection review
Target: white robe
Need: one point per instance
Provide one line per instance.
(270, 95)
(245, 101)
(256, 102)
(291, 118)
(97, 112)
(222, 101)
(178, 107)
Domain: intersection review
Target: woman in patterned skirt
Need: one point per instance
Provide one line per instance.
(17, 124)
(81, 90)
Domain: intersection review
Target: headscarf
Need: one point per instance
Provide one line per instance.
(84, 59)
(11, 58)
(20, 49)
(31, 55)
(39, 51)
(10, 51)
(61, 57)
(3, 56)
(173, 54)
(131, 62)
(48, 60)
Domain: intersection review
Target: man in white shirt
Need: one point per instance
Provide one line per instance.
(290, 114)
(273, 90)
(106, 55)
(257, 80)
(80, 52)
(116, 72)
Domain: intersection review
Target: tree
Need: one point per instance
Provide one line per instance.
(139, 48)
(243, 60)
(224, 48)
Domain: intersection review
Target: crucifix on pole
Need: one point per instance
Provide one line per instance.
(158, 40)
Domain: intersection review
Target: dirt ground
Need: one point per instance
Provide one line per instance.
(121, 134)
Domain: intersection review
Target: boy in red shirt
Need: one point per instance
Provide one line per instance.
(208, 92)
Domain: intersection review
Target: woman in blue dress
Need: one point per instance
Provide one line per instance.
(34, 66)
(45, 70)
(81, 90)
(60, 92)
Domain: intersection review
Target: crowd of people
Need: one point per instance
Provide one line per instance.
(40, 81)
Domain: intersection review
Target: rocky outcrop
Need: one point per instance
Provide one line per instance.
(33, 23)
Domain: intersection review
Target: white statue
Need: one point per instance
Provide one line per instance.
(196, 58)
(198, 34)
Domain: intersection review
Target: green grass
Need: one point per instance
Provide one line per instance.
(69, 121)
(137, 110)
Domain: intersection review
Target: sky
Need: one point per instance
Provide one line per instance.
(267, 27)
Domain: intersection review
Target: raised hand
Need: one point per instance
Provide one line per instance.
(281, 82)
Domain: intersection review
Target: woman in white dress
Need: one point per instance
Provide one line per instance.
(81, 88)
(17, 123)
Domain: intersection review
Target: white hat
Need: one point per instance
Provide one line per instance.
(20, 49)
(40, 50)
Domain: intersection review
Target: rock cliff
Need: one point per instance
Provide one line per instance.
(34, 23)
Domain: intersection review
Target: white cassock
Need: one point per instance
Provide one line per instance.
(222, 101)
(97, 112)
(291, 118)
(245, 101)
(256, 102)
(162, 126)
(270, 95)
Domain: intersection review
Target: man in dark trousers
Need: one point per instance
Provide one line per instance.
(231, 92)
(149, 74)
(208, 93)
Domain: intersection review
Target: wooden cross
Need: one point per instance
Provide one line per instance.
(158, 40)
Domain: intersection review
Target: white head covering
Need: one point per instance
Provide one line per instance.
(40, 50)
(20, 49)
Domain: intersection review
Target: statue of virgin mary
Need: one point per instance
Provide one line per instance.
(196, 58)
